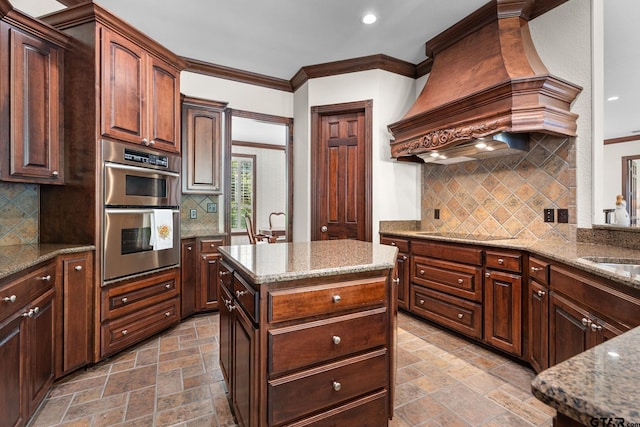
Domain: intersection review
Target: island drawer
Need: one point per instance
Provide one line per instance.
(120, 333)
(208, 246)
(506, 261)
(539, 270)
(367, 411)
(16, 294)
(457, 313)
(130, 297)
(316, 342)
(456, 253)
(401, 244)
(247, 297)
(226, 275)
(326, 386)
(461, 280)
(327, 299)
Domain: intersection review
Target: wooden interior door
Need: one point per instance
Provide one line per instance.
(341, 172)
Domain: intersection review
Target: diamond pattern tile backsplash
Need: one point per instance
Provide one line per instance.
(505, 195)
(205, 220)
(19, 218)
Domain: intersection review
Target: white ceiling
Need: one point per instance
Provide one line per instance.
(278, 37)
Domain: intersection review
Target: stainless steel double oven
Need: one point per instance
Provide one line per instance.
(138, 182)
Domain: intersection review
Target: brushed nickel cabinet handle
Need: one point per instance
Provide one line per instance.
(534, 269)
(55, 174)
(28, 313)
(487, 274)
(12, 298)
(124, 300)
(78, 268)
(586, 321)
(460, 315)
(337, 386)
(421, 302)
(167, 286)
(393, 243)
(541, 293)
(167, 314)
(336, 298)
(124, 332)
(336, 339)
(500, 261)
(36, 310)
(404, 257)
(460, 281)
(213, 245)
(145, 141)
(595, 327)
(46, 278)
(240, 293)
(189, 248)
(422, 272)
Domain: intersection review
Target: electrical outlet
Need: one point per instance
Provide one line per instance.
(436, 214)
(193, 214)
(563, 216)
(549, 215)
(212, 207)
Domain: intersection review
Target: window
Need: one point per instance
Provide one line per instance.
(242, 190)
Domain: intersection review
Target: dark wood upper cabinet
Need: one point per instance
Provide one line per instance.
(202, 142)
(31, 73)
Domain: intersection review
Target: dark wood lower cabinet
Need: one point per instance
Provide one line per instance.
(199, 275)
(503, 311)
(244, 398)
(13, 404)
(538, 326)
(188, 271)
(40, 356)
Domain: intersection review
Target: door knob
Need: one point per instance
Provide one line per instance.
(323, 228)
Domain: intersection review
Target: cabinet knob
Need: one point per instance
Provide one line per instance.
(460, 315)
(396, 280)
(145, 141)
(460, 281)
(223, 273)
(78, 268)
(124, 300)
(421, 302)
(204, 257)
(46, 278)
(124, 332)
(337, 386)
(586, 321)
(534, 269)
(213, 245)
(189, 248)
(393, 243)
(336, 339)
(168, 286)
(55, 174)
(422, 272)
(28, 313)
(487, 274)
(152, 142)
(541, 293)
(500, 261)
(404, 257)
(240, 293)
(12, 298)
(336, 298)
(167, 314)
(596, 327)
(36, 310)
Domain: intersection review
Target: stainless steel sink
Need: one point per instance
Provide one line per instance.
(625, 265)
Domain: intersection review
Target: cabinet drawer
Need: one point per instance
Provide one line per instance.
(368, 411)
(209, 245)
(119, 300)
(17, 293)
(461, 280)
(326, 386)
(539, 270)
(456, 313)
(456, 253)
(401, 244)
(317, 342)
(246, 296)
(309, 301)
(118, 334)
(506, 261)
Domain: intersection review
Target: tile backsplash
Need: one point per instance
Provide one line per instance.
(19, 219)
(505, 195)
(205, 220)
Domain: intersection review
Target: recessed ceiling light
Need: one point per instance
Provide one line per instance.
(369, 18)
(613, 98)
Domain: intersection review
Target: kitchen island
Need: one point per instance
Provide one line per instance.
(598, 387)
(307, 332)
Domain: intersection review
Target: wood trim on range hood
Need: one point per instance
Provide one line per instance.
(486, 78)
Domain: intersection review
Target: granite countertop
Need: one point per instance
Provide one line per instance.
(599, 383)
(269, 263)
(569, 253)
(16, 258)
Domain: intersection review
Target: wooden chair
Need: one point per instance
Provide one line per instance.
(253, 236)
(278, 223)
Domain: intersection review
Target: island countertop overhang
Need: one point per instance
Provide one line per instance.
(279, 262)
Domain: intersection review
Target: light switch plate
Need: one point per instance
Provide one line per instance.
(549, 215)
(212, 207)
(563, 216)
(193, 214)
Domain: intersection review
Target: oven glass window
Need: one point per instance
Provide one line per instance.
(135, 240)
(144, 186)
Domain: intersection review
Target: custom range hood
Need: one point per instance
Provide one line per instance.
(487, 90)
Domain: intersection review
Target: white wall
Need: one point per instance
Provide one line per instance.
(562, 38)
(612, 178)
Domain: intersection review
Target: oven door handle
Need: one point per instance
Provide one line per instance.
(133, 211)
(141, 170)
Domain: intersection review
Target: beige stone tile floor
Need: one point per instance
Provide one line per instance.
(174, 380)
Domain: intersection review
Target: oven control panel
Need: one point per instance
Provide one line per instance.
(146, 158)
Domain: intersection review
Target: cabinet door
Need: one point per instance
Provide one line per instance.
(40, 327)
(503, 311)
(123, 86)
(208, 287)
(163, 106)
(404, 272)
(34, 110)
(188, 278)
(244, 396)
(75, 306)
(569, 329)
(226, 336)
(202, 149)
(13, 403)
(538, 326)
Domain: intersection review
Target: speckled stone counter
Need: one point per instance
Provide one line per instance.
(269, 263)
(569, 253)
(16, 258)
(599, 383)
